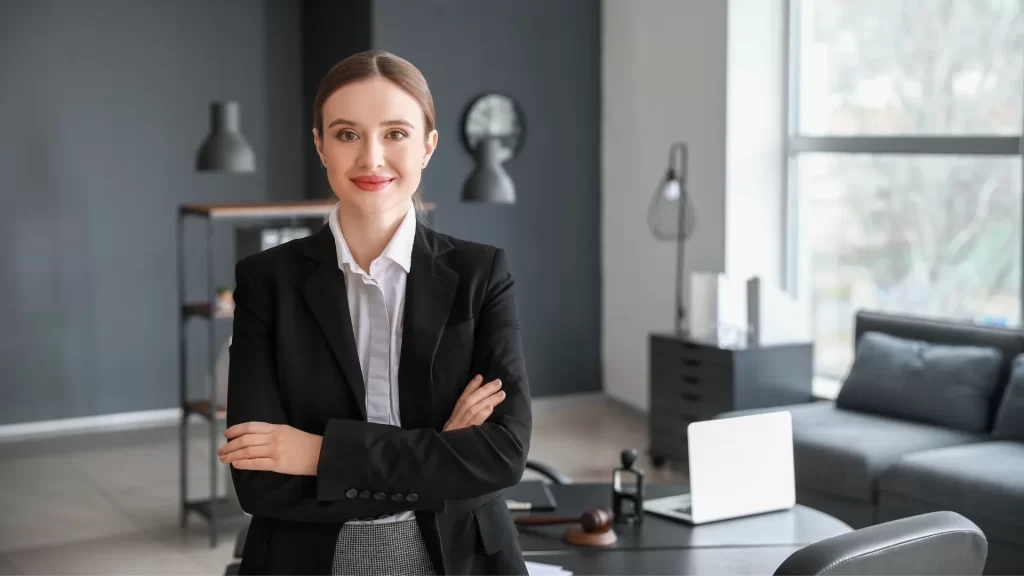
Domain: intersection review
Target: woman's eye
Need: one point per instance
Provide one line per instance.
(396, 135)
(346, 135)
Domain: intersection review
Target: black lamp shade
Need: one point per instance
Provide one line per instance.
(488, 182)
(225, 148)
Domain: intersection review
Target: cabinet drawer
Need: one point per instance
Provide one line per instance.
(689, 370)
(701, 403)
(702, 384)
(689, 352)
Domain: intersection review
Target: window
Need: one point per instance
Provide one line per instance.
(905, 162)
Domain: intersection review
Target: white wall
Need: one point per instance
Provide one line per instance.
(710, 73)
(663, 80)
(755, 138)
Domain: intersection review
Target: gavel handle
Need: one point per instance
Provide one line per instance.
(545, 520)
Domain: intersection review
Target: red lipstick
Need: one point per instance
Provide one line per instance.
(372, 183)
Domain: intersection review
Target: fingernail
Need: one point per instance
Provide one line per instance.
(499, 383)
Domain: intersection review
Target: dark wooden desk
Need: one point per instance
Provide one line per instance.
(756, 544)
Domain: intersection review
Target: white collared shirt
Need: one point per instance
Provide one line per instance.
(376, 304)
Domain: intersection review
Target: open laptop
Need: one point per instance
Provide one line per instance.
(739, 466)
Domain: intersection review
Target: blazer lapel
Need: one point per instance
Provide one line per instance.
(326, 295)
(429, 292)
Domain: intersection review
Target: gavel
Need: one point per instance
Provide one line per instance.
(593, 527)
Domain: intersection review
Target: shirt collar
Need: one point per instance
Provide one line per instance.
(398, 250)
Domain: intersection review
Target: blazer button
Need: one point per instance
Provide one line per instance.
(351, 493)
(396, 497)
(379, 496)
(412, 497)
(364, 494)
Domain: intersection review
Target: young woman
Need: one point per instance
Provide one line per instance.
(377, 397)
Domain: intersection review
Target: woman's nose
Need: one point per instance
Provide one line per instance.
(372, 154)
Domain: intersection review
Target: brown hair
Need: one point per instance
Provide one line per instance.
(371, 64)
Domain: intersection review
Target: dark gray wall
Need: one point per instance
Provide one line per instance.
(546, 54)
(102, 107)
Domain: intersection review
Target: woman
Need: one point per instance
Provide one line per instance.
(354, 439)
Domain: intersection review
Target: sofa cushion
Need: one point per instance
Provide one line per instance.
(842, 452)
(1010, 417)
(923, 382)
(984, 482)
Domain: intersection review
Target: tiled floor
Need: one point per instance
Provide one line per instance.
(108, 503)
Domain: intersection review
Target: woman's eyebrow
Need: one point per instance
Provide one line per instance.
(344, 122)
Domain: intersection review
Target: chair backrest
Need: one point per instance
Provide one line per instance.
(934, 543)
(1009, 341)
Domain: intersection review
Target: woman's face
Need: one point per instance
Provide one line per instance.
(374, 145)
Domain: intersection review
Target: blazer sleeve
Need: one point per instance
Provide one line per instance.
(453, 465)
(253, 396)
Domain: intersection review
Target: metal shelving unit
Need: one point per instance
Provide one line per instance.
(216, 510)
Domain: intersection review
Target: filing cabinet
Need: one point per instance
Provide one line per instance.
(692, 380)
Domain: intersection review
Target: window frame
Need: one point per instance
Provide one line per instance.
(795, 144)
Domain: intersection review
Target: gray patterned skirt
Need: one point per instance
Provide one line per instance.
(389, 548)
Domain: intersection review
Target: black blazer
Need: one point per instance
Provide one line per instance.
(294, 361)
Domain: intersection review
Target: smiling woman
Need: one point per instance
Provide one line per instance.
(375, 437)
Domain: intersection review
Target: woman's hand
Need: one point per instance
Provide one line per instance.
(271, 447)
(476, 404)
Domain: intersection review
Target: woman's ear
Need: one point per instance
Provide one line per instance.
(430, 145)
(319, 145)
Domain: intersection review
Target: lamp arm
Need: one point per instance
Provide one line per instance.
(680, 150)
(680, 324)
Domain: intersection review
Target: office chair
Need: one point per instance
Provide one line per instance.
(538, 467)
(934, 543)
(548, 472)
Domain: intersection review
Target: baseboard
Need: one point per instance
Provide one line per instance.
(89, 424)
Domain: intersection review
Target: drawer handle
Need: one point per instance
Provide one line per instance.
(692, 381)
(691, 363)
(691, 397)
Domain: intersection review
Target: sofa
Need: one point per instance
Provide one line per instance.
(930, 418)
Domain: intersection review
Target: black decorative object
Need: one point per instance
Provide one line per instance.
(623, 494)
(493, 130)
(672, 217)
(225, 148)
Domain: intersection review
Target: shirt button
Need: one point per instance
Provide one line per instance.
(396, 497)
(412, 497)
(351, 493)
(364, 494)
(379, 496)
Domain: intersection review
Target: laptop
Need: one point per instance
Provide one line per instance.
(739, 466)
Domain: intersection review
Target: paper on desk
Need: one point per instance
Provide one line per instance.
(538, 569)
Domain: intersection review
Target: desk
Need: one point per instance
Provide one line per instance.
(756, 544)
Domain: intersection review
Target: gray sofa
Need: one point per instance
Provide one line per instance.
(948, 436)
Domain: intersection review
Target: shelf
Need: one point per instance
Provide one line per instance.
(202, 309)
(202, 407)
(227, 509)
(302, 209)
